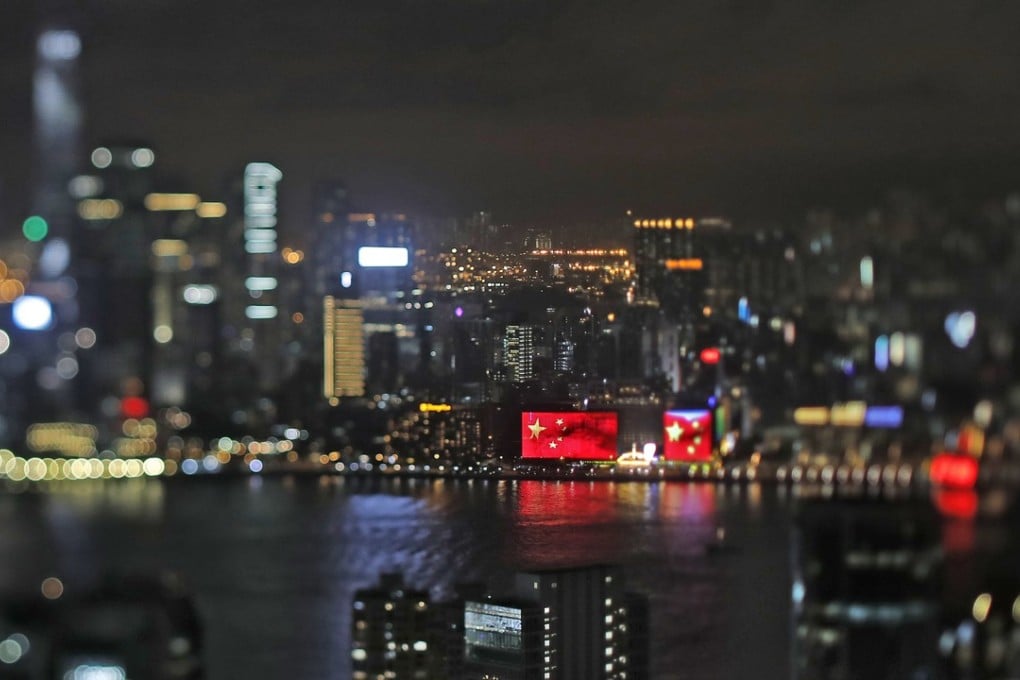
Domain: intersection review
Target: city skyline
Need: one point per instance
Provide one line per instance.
(509, 340)
(547, 113)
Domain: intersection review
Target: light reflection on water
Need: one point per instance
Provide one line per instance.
(274, 562)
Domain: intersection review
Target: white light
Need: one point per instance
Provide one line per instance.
(255, 247)
(32, 313)
(960, 328)
(5, 341)
(379, 256)
(649, 450)
(259, 234)
(345, 279)
(142, 158)
(102, 157)
(85, 186)
(255, 465)
(10, 651)
(162, 334)
(55, 257)
(260, 312)
(897, 348)
(90, 672)
(59, 45)
(67, 367)
(260, 283)
(153, 467)
(199, 294)
(867, 272)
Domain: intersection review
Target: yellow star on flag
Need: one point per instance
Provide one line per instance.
(674, 431)
(536, 429)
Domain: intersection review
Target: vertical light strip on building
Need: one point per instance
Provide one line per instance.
(328, 329)
(343, 348)
(260, 180)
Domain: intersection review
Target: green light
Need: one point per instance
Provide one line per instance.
(35, 228)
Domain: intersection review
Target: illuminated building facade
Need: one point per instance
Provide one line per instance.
(262, 261)
(365, 261)
(686, 265)
(391, 633)
(343, 337)
(559, 624)
(519, 352)
(508, 640)
(594, 622)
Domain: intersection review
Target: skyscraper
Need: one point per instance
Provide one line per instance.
(519, 352)
(343, 337)
(559, 624)
(58, 115)
(262, 261)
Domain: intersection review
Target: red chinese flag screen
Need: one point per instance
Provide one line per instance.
(687, 435)
(587, 435)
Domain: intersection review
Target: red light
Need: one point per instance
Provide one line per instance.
(957, 503)
(952, 470)
(134, 407)
(687, 435)
(584, 435)
(710, 355)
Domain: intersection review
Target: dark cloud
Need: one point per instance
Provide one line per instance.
(545, 108)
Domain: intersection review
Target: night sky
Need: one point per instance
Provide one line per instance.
(542, 110)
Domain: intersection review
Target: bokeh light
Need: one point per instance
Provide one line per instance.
(35, 228)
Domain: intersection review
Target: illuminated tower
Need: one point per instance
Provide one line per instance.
(58, 118)
(49, 307)
(261, 311)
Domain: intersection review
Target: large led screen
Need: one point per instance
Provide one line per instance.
(379, 256)
(687, 435)
(587, 435)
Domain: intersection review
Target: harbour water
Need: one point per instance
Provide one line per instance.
(273, 562)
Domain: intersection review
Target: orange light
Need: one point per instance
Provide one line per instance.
(169, 202)
(211, 210)
(685, 264)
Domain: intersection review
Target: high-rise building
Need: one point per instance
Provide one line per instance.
(45, 388)
(262, 261)
(59, 117)
(559, 624)
(508, 639)
(367, 259)
(519, 352)
(391, 631)
(343, 336)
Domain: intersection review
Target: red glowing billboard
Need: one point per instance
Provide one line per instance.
(585, 435)
(687, 435)
(954, 471)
